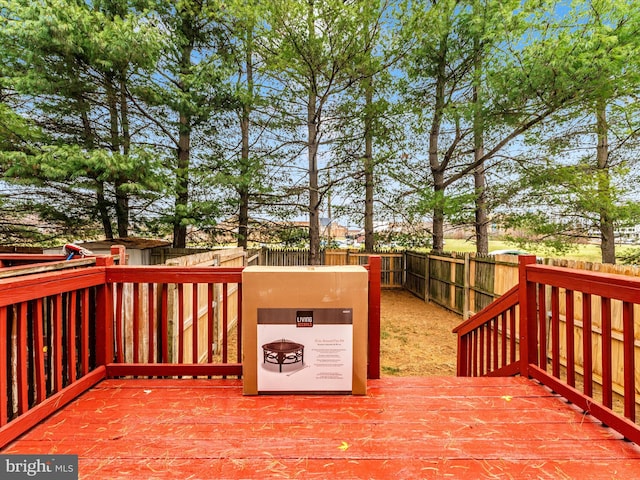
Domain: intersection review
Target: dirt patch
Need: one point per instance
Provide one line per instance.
(416, 338)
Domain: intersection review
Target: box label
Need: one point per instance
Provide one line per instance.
(305, 350)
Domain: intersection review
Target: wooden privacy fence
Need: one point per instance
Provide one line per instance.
(285, 257)
(393, 263)
(224, 319)
(181, 305)
(463, 283)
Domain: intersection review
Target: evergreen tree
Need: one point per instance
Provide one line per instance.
(70, 62)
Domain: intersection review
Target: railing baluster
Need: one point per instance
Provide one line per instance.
(84, 322)
(195, 323)
(38, 340)
(4, 381)
(22, 359)
(505, 337)
(239, 323)
(225, 324)
(495, 343)
(72, 351)
(210, 319)
(512, 334)
(151, 312)
(481, 353)
(542, 327)
(628, 331)
(555, 331)
(490, 345)
(488, 348)
(180, 323)
(607, 397)
(57, 348)
(470, 356)
(570, 337)
(135, 317)
(164, 321)
(587, 348)
(474, 354)
(120, 343)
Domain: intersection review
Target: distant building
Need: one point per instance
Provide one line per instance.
(628, 235)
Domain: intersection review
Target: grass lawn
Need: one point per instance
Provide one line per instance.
(590, 253)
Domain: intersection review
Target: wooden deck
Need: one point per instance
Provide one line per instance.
(404, 428)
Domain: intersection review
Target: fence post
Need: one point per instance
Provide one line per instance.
(528, 310)
(373, 368)
(466, 300)
(426, 278)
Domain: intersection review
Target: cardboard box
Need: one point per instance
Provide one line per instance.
(304, 329)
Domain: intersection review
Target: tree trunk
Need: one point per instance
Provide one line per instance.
(438, 212)
(243, 188)
(480, 181)
(182, 183)
(122, 197)
(437, 170)
(181, 205)
(314, 197)
(369, 236)
(482, 218)
(607, 234)
(101, 202)
(122, 200)
(243, 219)
(313, 141)
(103, 210)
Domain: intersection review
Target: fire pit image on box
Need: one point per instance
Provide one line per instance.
(283, 352)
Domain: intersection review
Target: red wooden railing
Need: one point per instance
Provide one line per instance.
(62, 332)
(48, 354)
(487, 342)
(146, 353)
(493, 342)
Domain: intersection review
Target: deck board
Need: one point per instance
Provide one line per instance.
(436, 427)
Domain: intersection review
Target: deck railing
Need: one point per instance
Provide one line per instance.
(49, 323)
(61, 332)
(487, 342)
(164, 321)
(531, 330)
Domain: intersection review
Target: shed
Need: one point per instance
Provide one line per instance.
(140, 251)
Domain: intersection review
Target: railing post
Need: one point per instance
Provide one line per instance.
(463, 356)
(121, 252)
(105, 352)
(375, 266)
(104, 320)
(527, 301)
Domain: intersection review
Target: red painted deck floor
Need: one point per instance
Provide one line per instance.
(405, 428)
